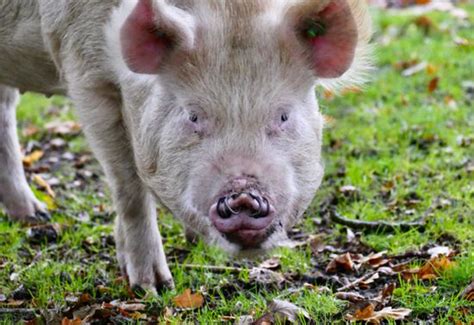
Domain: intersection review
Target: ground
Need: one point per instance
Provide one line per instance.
(399, 150)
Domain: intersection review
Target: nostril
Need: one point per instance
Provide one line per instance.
(223, 208)
(263, 207)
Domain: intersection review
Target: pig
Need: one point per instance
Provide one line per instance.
(205, 107)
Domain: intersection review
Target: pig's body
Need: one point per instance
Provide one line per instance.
(204, 106)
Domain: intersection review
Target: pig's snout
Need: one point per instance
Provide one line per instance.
(253, 205)
(244, 218)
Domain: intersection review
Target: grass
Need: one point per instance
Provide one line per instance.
(396, 142)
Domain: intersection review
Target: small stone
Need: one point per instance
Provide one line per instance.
(21, 293)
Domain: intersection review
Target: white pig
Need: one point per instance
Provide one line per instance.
(206, 107)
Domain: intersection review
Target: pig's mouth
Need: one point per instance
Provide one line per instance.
(244, 218)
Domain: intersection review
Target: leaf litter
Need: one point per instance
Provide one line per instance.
(344, 267)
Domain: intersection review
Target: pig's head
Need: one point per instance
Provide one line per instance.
(230, 135)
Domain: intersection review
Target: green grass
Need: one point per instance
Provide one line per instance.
(394, 132)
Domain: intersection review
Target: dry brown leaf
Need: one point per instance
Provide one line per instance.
(388, 290)
(369, 314)
(63, 128)
(285, 311)
(271, 264)
(353, 297)
(30, 130)
(316, 243)
(189, 300)
(468, 293)
(38, 180)
(67, 321)
(33, 157)
(425, 23)
(15, 303)
(433, 85)
(431, 69)
(265, 276)
(365, 283)
(375, 260)
(343, 261)
(127, 306)
(430, 270)
(403, 65)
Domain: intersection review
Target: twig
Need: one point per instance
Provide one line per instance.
(356, 282)
(18, 312)
(210, 268)
(381, 226)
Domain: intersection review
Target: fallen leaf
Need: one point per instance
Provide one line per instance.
(348, 190)
(284, 311)
(388, 290)
(350, 236)
(431, 69)
(425, 23)
(430, 270)
(404, 65)
(63, 127)
(364, 284)
(414, 69)
(189, 300)
(316, 243)
(433, 85)
(329, 120)
(57, 143)
(368, 314)
(468, 293)
(440, 250)
(15, 303)
(133, 307)
(271, 264)
(33, 157)
(265, 276)
(375, 260)
(67, 321)
(30, 130)
(343, 261)
(266, 319)
(38, 180)
(353, 297)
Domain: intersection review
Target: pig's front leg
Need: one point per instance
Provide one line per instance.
(139, 247)
(20, 202)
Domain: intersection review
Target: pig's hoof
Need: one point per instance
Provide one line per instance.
(166, 285)
(39, 217)
(28, 211)
(147, 278)
(146, 290)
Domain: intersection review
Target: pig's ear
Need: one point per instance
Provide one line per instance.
(333, 33)
(152, 33)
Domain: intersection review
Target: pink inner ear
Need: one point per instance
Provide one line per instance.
(333, 52)
(142, 48)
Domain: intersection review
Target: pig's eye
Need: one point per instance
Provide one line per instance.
(193, 117)
(284, 117)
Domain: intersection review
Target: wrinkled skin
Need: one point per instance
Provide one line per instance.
(206, 107)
